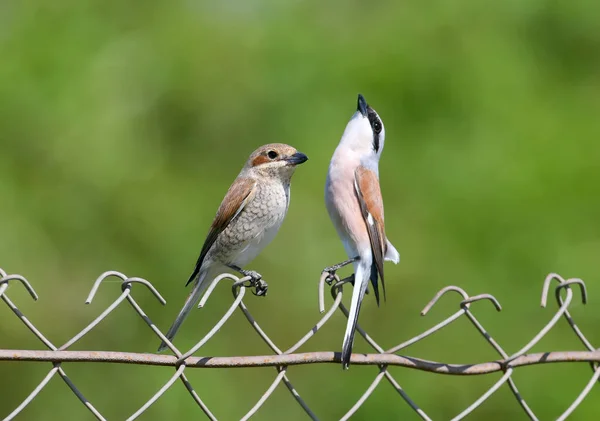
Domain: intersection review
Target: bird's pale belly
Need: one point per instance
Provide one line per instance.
(253, 229)
(345, 214)
(254, 246)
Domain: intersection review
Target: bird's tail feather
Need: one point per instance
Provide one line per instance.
(198, 288)
(374, 278)
(391, 253)
(361, 281)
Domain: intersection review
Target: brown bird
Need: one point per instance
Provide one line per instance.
(247, 220)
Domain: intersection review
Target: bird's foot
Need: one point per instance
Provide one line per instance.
(255, 281)
(331, 270)
(260, 288)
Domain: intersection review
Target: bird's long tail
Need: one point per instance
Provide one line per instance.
(198, 288)
(361, 281)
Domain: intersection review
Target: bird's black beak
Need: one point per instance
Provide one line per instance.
(362, 105)
(296, 159)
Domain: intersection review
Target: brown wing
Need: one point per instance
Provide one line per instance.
(234, 201)
(368, 192)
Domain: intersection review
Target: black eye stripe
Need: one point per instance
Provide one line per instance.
(376, 126)
(375, 122)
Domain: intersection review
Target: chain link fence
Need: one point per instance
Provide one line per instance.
(281, 359)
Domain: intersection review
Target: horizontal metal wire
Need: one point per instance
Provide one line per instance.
(280, 360)
(298, 359)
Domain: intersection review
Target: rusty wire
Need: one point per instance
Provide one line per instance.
(280, 359)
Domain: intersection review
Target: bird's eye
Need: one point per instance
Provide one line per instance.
(377, 126)
(272, 154)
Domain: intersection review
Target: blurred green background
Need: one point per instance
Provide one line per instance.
(122, 125)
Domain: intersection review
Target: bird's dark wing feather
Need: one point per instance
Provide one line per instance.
(240, 192)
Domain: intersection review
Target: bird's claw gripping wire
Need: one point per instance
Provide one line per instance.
(330, 277)
(331, 272)
(255, 281)
(260, 287)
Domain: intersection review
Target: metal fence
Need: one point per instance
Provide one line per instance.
(281, 359)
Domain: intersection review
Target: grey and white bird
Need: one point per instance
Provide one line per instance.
(247, 220)
(355, 206)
